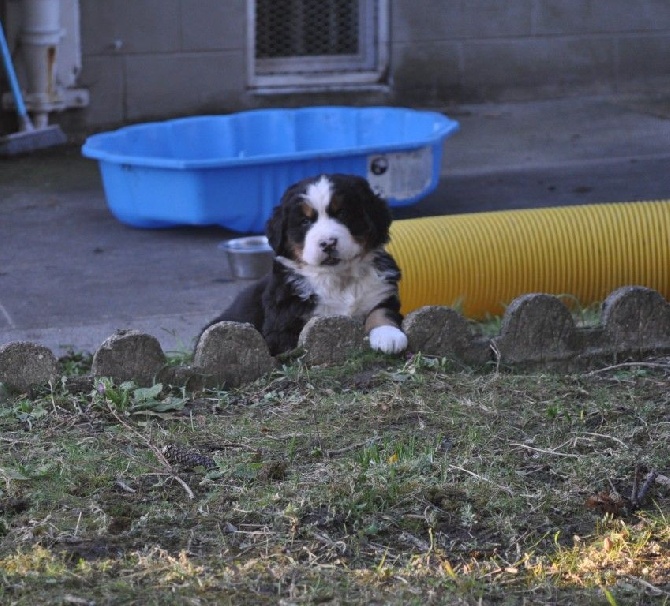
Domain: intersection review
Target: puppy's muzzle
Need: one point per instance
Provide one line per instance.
(329, 248)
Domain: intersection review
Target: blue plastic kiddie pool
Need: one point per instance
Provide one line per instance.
(232, 170)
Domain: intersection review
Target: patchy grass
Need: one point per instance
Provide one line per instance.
(381, 481)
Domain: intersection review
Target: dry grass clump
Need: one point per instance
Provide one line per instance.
(382, 481)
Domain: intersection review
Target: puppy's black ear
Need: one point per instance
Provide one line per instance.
(275, 229)
(277, 226)
(377, 216)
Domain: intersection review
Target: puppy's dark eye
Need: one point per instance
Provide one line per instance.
(340, 213)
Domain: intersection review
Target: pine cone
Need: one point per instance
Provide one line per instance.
(187, 458)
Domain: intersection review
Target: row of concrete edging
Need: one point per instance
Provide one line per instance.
(537, 332)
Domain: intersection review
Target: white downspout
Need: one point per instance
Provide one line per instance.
(40, 36)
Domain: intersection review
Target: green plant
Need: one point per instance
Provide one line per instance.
(130, 399)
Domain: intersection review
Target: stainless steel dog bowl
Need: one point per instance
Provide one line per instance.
(250, 258)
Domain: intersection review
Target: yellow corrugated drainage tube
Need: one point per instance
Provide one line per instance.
(480, 262)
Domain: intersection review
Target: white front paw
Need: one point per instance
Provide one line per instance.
(388, 339)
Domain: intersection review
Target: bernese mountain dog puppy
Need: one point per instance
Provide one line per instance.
(328, 233)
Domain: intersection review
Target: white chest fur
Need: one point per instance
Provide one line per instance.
(350, 295)
(352, 289)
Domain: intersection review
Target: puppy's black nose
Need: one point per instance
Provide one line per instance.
(328, 245)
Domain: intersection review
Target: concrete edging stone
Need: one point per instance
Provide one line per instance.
(537, 332)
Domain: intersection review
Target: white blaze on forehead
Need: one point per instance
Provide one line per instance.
(318, 194)
(326, 229)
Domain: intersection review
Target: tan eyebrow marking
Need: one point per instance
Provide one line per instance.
(308, 210)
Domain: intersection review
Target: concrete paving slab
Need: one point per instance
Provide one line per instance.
(70, 274)
(553, 153)
(566, 133)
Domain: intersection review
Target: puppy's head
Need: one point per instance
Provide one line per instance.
(327, 220)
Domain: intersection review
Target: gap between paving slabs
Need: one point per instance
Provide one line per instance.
(537, 332)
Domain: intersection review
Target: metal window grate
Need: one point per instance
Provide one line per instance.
(305, 28)
(298, 44)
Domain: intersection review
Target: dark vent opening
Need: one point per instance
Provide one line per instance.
(306, 28)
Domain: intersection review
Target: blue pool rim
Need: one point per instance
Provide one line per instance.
(94, 146)
(231, 170)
